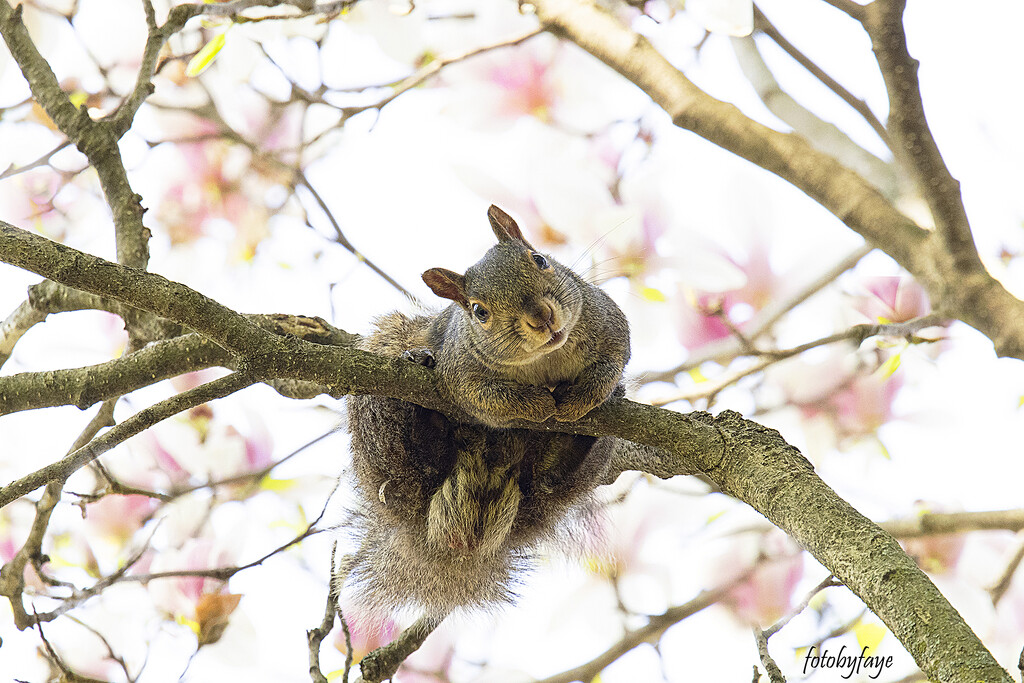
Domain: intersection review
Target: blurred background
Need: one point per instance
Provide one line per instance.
(317, 167)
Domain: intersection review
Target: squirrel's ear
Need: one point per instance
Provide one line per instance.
(504, 227)
(447, 284)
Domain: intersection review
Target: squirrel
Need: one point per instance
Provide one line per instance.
(451, 512)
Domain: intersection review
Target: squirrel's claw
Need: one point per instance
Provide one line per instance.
(424, 357)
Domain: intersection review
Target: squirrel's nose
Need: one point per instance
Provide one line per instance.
(540, 315)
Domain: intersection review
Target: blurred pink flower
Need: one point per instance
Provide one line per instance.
(862, 405)
(892, 299)
(704, 315)
(934, 553)
(179, 596)
(29, 199)
(767, 593)
(524, 87)
(366, 635)
(846, 389)
(219, 186)
(541, 79)
(118, 517)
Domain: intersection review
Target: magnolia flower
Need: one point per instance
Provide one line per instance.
(712, 314)
(891, 299)
(776, 567)
(839, 387)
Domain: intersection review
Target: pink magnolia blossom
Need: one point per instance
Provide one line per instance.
(766, 594)
(850, 391)
(707, 316)
(861, 406)
(118, 517)
(892, 299)
(179, 596)
(366, 635)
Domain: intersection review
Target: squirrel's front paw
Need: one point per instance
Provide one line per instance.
(572, 405)
(572, 410)
(424, 357)
(539, 408)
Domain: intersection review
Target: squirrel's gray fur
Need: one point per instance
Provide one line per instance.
(450, 512)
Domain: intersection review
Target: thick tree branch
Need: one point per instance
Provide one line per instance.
(744, 459)
(83, 387)
(132, 286)
(161, 360)
(50, 297)
(914, 142)
(969, 294)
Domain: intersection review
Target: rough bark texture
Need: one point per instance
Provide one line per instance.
(745, 459)
(957, 283)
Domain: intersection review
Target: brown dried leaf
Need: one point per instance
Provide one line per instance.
(212, 614)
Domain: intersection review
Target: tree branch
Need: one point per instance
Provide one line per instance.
(913, 138)
(729, 348)
(84, 386)
(649, 633)
(139, 422)
(161, 360)
(744, 459)
(95, 139)
(383, 662)
(132, 286)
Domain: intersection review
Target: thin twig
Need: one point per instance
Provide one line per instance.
(856, 333)
(1000, 587)
(44, 160)
(315, 636)
(829, 581)
(770, 665)
(762, 24)
(137, 423)
(646, 634)
(763, 322)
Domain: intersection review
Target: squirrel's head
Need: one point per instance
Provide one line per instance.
(518, 303)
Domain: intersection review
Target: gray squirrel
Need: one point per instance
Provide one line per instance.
(451, 512)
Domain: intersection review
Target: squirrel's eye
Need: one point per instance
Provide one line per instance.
(481, 313)
(541, 262)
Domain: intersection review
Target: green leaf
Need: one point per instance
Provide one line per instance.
(206, 55)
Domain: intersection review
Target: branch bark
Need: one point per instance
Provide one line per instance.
(744, 459)
(959, 287)
(914, 142)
